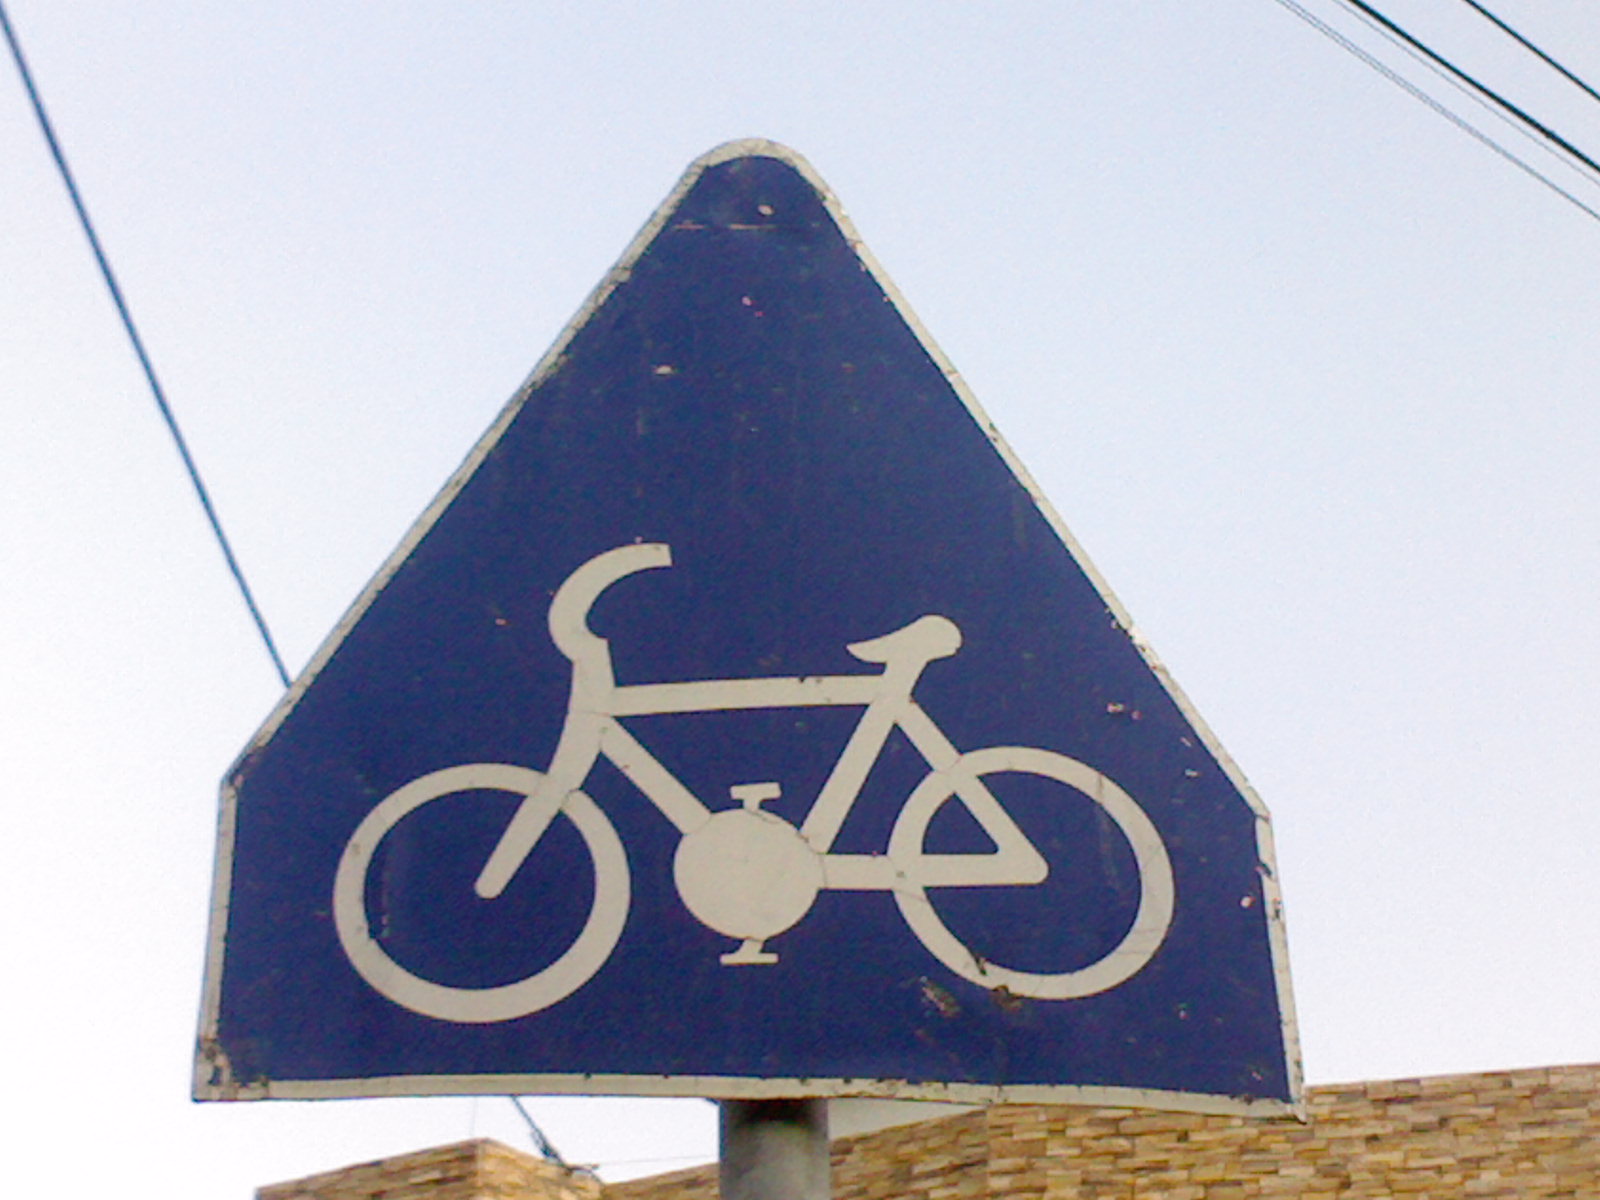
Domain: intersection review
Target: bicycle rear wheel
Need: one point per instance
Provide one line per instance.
(908, 848)
(472, 1005)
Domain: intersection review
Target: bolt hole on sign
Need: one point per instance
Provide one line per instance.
(741, 721)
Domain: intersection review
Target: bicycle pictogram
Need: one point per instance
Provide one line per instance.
(742, 871)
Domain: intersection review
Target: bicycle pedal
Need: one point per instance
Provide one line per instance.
(753, 795)
(749, 954)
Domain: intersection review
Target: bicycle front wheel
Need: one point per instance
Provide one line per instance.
(915, 888)
(477, 1005)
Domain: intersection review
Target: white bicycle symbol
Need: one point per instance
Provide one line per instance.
(743, 872)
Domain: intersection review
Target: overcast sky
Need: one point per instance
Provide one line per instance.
(1310, 373)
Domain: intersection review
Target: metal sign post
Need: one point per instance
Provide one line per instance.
(774, 1150)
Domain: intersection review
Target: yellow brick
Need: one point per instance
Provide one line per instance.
(1528, 1135)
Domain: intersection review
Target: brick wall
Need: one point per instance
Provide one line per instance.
(1532, 1135)
(475, 1170)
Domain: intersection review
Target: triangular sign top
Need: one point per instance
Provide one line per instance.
(741, 721)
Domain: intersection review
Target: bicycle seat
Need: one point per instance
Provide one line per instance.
(924, 640)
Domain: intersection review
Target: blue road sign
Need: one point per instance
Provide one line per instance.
(741, 721)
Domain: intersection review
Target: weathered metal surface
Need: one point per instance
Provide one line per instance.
(774, 1150)
(741, 721)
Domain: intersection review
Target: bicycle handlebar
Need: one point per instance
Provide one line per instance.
(569, 607)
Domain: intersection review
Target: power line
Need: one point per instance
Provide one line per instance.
(1476, 97)
(1417, 93)
(1527, 45)
(1541, 129)
(541, 1143)
(121, 304)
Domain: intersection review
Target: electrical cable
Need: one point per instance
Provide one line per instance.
(1527, 45)
(1541, 129)
(541, 1143)
(121, 304)
(1417, 93)
(1477, 98)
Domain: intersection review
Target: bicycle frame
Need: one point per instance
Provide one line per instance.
(742, 872)
(593, 729)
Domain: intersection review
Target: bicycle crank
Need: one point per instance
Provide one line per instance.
(747, 874)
